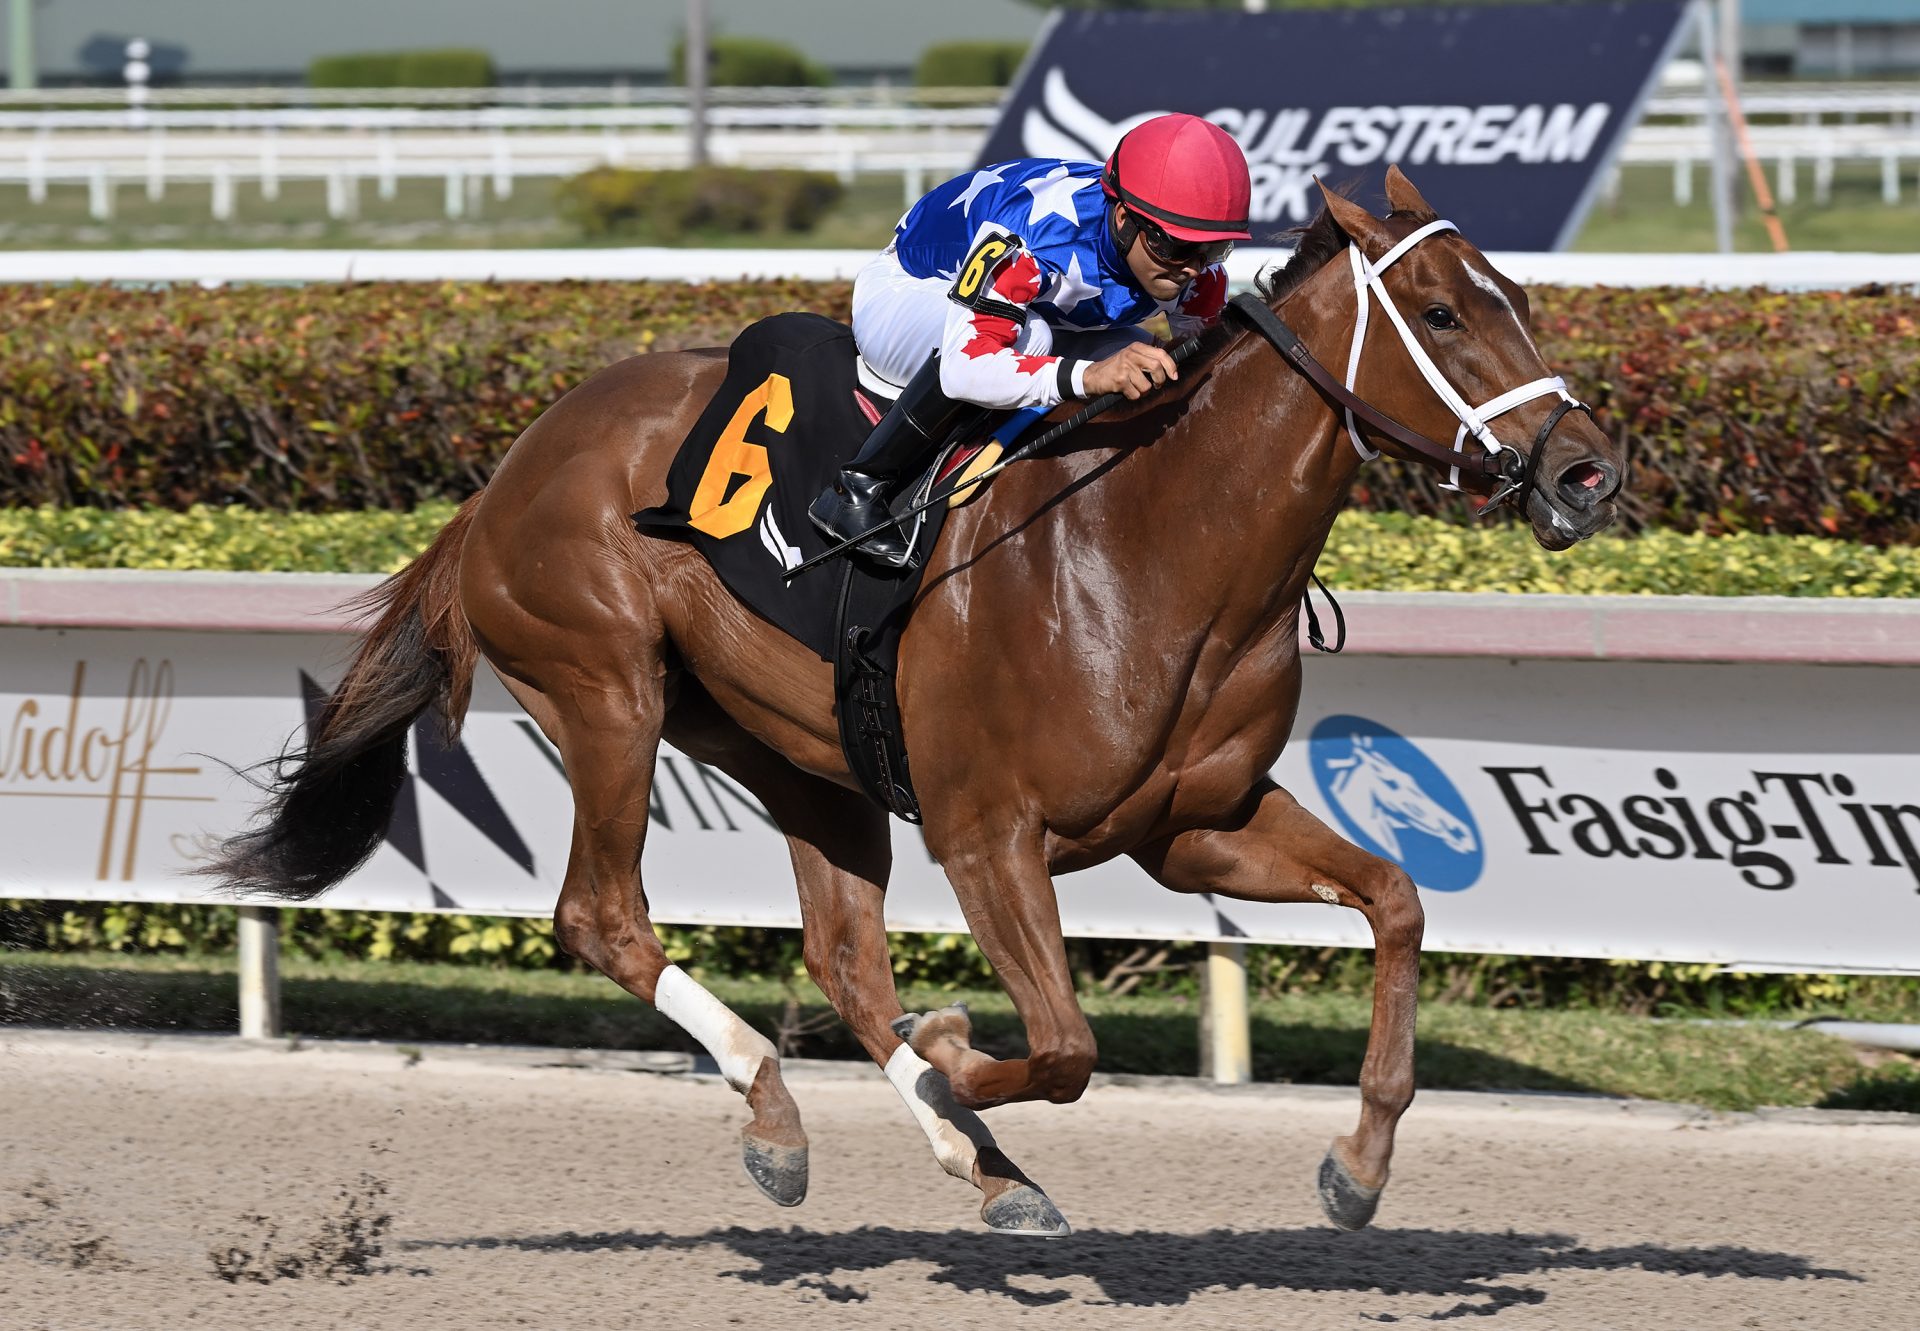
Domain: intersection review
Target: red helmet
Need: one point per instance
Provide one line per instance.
(1186, 173)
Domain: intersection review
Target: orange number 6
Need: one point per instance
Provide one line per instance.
(734, 456)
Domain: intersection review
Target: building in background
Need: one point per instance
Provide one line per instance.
(607, 41)
(1832, 38)
(554, 42)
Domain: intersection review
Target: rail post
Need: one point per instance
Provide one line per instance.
(259, 972)
(1719, 128)
(696, 73)
(1227, 1031)
(22, 67)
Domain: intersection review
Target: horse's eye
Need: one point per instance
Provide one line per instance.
(1440, 318)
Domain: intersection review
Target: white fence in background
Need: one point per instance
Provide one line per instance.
(1803, 100)
(1808, 271)
(471, 139)
(877, 94)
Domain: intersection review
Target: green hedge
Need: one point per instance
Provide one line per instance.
(952, 961)
(665, 205)
(1367, 552)
(335, 397)
(1793, 413)
(403, 69)
(969, 64)
(752, 62)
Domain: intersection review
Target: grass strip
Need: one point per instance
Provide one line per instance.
(1367, 552)
(1297, 1038)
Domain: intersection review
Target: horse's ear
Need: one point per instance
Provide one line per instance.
(1405, 198)
(1361, 226)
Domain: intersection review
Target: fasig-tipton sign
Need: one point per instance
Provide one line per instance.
(1505, 115)
(1758, 814)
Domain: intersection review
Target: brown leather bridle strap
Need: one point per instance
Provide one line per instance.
(1486, 469)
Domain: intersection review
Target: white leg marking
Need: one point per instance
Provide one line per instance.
(957, 1135)
(735, 1046)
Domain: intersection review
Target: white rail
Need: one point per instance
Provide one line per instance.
(1784, 272)
(225, 138)
(371, 155)
(878, 94)
(1802, 99)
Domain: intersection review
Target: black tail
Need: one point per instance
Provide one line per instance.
(329, 801)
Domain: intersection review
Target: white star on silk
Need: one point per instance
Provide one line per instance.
(981, 179)
(1071, 287)
(1053, 194)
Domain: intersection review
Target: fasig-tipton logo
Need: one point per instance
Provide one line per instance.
(1390, 799)
(1759, 831)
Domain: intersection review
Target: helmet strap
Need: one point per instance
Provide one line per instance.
(1124, 233)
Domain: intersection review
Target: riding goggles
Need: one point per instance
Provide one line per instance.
(1179, 253)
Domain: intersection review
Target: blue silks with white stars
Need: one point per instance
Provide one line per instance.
(1059, 210)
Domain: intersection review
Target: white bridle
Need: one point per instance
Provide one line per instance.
(1473, 420)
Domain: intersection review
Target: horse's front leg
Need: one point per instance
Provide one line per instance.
(1274, 850)
(1007, 895)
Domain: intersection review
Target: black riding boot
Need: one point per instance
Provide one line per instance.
(918, 421)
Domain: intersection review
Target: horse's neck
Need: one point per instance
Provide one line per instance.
(1266, 456)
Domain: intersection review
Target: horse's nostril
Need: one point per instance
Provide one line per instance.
(1586, 483)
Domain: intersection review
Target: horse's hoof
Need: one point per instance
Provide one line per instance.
(903, 1026)
(1025, 1211)
(1349, 1204)
(778, 1171)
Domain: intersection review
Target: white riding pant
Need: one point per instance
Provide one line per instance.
(899, 320)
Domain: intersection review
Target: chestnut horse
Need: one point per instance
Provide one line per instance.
(1103, 661)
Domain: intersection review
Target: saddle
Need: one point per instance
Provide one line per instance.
(789, 414)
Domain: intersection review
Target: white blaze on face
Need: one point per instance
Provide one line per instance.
(957, 1135)
(734, 1045)
(1492, 288)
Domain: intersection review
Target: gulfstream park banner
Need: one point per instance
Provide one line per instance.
(1506, 116)
(1766, 815)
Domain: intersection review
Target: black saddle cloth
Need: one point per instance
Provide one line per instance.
(785, 420)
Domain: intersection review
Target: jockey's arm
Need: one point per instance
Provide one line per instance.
(980, 356)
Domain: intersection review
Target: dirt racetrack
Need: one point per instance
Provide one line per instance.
(180, 1182)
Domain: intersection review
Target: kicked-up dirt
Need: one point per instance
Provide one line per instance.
(174, 1181)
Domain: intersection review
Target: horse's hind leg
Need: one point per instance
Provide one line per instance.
(1274, 850)
(842, 854)
(607, 739)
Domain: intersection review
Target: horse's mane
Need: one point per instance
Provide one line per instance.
(1313, 245)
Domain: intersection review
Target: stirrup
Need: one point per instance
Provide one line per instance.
(840, 517)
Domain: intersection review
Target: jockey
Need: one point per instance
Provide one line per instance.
(1023, 284)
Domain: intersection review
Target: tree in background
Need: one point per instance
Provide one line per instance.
(969, 64)
(1270, 4)
(752, 62)
(452, 68)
